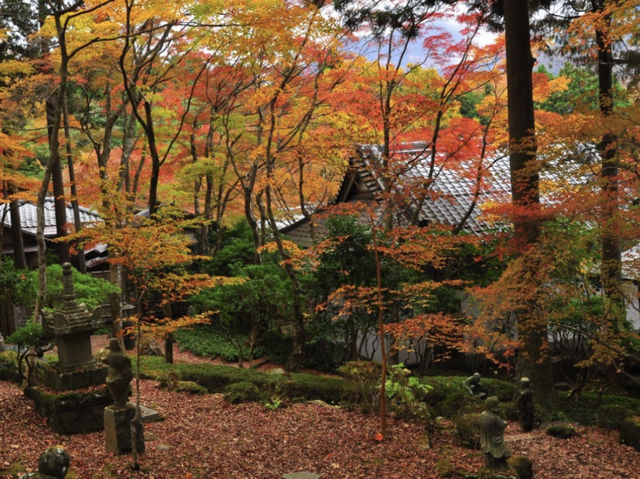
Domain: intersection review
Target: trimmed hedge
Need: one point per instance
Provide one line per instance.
(589, 410)
(215, 378)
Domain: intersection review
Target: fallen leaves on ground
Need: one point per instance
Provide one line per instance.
(205, 437)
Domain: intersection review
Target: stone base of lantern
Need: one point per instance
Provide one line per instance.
(92, 374)
(71, 412)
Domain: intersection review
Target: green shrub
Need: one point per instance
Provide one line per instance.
(611, 416)
(630, 432)
(215, 378)
(561, 431)
(584, 410)
(244, 391)
(467, 430)
(8, 366)
(448, 398)
(208, 341)
(366, 376)
(190, 387)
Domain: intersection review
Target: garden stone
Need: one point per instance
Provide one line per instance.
(149, 415)
(301, 475)
(52, 464)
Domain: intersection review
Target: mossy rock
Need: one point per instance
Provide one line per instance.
(191, 387)
(243, 391)
(611, 416)
(444, 465)
(467, 430)
(71, 412)
(630, 432)
(522, 465)
(561, 431)
(494, 474)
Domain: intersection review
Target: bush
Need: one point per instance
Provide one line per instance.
(561, 431)
(190, 387)
(611, 416)
(630, 432)
(8, 366)
(467, 430)
(585, 409)
(208, 341)
(244, 391)
(215, 378)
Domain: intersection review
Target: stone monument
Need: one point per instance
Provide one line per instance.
(491, 427)
(119, 416)
(524, 404)
(71, 326)
(69, 408)
(52, 464)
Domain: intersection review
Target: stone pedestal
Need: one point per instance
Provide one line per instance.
(117, 429)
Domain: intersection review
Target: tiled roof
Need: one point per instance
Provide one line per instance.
(453, 188)
(29, 221)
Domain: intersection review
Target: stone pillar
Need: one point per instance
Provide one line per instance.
(117, 429)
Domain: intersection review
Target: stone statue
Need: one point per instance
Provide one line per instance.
(491, 427)
(120, 373)
(52, 464)
(472, 384)
(524, 404)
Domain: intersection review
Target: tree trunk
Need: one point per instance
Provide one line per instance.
(16, 232)
(53, 125)
(610, 269)
(82, 267)
(525, 187)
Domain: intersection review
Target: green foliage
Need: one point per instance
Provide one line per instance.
(215, 378)
(244, 391)
(406, 393)
(585, 409)
(582, 91)
(467, 430)
(561, 431)
(611, 416)
(191, 387)
(244, 311)
(449, 399)
(207, 341)
(17, 285)
(366, 376)
(237, 250)
(8, 366)
(274, 403)
(90, 290)
(31, 334)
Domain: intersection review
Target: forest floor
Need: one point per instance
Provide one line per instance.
(206, 437)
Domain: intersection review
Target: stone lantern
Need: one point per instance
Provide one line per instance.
(71, 326)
